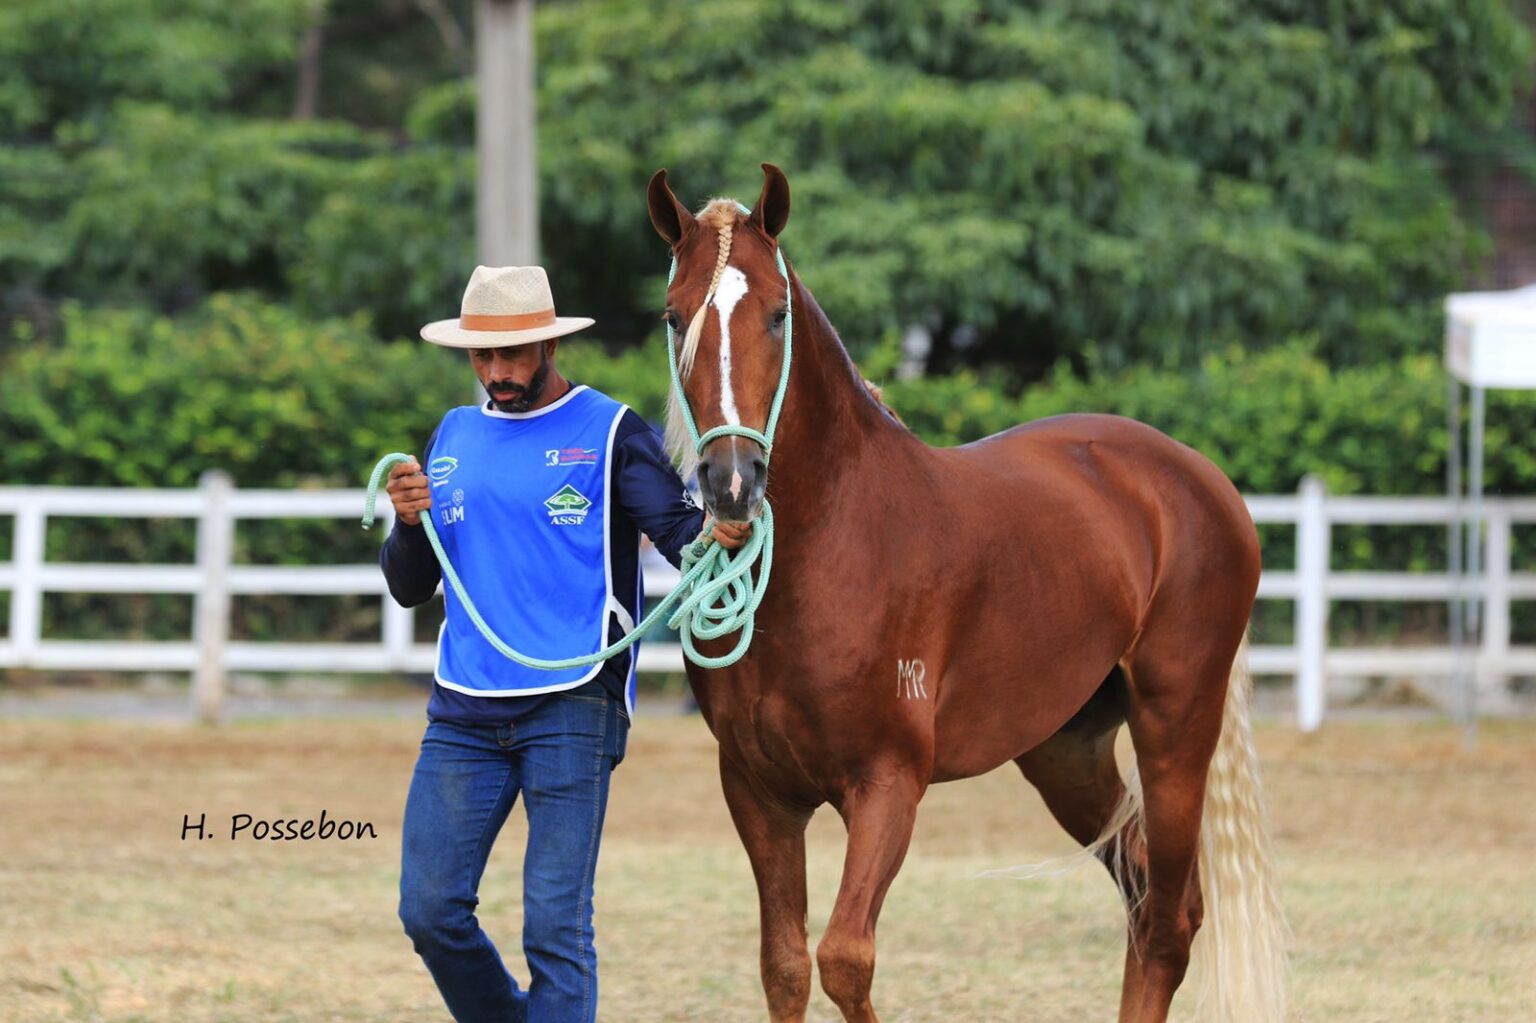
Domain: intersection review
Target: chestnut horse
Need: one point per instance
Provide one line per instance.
(935, 613)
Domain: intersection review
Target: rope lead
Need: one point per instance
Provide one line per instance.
(717, 594)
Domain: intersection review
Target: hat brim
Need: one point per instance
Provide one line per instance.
(449, 334)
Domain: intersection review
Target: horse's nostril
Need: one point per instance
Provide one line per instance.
(706, 480)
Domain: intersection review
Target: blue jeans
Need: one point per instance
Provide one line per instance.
(466, 780)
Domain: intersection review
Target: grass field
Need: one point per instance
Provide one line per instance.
(1409, 871)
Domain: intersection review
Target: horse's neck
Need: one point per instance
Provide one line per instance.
(832, 431)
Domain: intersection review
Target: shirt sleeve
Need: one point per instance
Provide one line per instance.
(650, 491)
(409, 564)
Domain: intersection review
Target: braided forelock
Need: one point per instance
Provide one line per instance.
(721, 214)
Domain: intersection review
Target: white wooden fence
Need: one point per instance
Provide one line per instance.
(213, 579)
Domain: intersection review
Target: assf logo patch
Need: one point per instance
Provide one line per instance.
(567, 506)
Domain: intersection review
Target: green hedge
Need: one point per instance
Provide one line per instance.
(1267, 418)
(124, 397)
(127, 397)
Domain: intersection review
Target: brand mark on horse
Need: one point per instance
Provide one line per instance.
(909, 679)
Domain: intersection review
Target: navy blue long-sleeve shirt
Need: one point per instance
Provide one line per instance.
(646, 497)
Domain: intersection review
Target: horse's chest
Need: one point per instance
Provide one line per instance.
(767, 735)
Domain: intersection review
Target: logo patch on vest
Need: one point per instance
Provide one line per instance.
(567, 506)
(441, 468)
(570, 456)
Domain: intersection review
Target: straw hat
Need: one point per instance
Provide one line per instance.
(504, 305)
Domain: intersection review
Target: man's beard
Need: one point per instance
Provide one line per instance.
(523, 398)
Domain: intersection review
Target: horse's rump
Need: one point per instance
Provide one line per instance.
(1092, 520)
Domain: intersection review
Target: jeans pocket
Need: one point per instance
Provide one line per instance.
(599, 700)
(619, 729)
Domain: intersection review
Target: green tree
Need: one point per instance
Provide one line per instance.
(1110, 181)
(155, 149)
(1154, 181)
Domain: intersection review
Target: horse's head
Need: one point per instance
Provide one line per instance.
(726, 306)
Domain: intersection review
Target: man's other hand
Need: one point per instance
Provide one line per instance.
(731, 537)
(409, 492)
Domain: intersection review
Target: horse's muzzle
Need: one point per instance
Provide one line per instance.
(733, 475)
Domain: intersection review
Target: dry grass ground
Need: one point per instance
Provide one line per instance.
(1409, 871)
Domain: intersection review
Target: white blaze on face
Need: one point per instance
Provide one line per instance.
(731, 289)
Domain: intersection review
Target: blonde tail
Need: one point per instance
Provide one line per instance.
(1238, 962)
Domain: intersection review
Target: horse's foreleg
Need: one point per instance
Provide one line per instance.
(879, 816)
(774, 837)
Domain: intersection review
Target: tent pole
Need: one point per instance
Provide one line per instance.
(1475, 549)
(1454, 543)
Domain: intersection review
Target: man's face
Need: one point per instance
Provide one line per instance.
(514, 377)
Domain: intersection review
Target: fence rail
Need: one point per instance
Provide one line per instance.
(1485, 664)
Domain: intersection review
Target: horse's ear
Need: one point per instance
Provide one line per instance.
(668, 216)
(772, 210)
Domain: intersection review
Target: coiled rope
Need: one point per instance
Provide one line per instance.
(717, 594)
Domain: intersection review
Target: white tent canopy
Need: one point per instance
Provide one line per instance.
(1490, 337)
(1490, 342)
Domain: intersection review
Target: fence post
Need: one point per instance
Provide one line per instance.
(1312, 545)
(215, 551)
(399, 623)
(399, 627)
(1492, 678)
(27, 553)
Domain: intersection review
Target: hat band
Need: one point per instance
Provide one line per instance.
(517, 321)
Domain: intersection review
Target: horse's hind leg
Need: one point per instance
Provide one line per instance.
(1076, 774)
(774, 837)
(879, 815)
(1176, 684)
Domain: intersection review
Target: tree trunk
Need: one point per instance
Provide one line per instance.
(306, 92)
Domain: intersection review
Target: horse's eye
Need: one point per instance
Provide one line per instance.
(779, 317)
(670, 316)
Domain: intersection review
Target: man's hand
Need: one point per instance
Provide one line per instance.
(731, 537)
(409, 492)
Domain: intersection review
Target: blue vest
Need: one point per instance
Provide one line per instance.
(521, 504)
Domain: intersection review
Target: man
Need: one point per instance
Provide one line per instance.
(539, 496)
